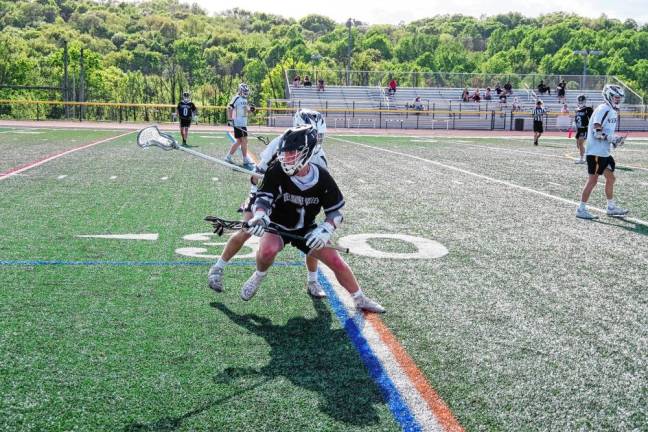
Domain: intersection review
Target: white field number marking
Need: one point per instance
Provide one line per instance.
(357, 243)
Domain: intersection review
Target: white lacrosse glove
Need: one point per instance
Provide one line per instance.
(600, 135)
(258, 224)
(195, 119)
(618, 141)
(320, 236)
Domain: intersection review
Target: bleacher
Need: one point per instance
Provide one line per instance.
(373, 107)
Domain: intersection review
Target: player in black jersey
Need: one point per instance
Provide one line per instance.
(538, 114)
(292, 193)
(186, 111)
(581, 120)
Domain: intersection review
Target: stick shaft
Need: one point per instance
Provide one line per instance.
(219, 161)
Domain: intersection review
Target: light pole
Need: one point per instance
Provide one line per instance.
(586, 54)
(349, 24)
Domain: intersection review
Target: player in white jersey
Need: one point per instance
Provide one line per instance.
(601, 133)
(237, 116)
(302, 117)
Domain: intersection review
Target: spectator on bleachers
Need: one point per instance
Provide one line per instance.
(509, 88)
(560, 90)
(320, 84)
(391, 89)
(498, 89)
(564, 110)
(296, 81)
(487, 94)
(476, 97)
(502, 98)
(417, 104)
(307, 82)
(516, 105)
(542, 88)
(465, 96)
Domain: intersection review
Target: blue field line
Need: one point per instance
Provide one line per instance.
(137, 263)
(392, 396)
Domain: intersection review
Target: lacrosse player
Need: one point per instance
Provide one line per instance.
(538, 117)
(302, 117)
(237, 116)
(600, 134)
(292, 193)
(186, 111)
(581, 120)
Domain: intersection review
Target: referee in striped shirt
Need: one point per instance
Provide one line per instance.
(538, 117)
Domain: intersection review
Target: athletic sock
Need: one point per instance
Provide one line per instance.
(312, 276)
(260, 275)
(582, 206)
(221, 263)
(356, 295)
(611, 203)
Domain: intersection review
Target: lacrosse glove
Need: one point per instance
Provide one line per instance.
(320, 236)
(258, 224)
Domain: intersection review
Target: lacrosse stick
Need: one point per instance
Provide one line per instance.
(619, 143)
(220, 225)
(263, 138)
(151, 136)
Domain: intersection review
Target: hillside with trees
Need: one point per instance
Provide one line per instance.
(147, 52)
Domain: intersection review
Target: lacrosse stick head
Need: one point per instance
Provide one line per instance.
(220, 224)
(151, 136)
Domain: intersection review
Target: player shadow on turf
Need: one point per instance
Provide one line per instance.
(626, 225)
(314, 356)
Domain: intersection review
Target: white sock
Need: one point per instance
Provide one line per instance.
(611, 203)
(356, 295)
(259, 274)
(221, 263)
(582, 206)
(312, 276)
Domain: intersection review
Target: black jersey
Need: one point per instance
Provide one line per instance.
(538, 114)
(186, 110)
(293, 205)
(582, 117)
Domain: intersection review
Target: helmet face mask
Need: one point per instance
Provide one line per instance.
(582, 100)
(613, 95)
(186, 97)
(243, 90)
(309, 117)
(296, 148)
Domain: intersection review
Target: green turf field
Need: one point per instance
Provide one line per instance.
(535, 320)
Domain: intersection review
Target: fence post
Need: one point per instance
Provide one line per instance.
(380, 112)
(492, 120)
(353, 109)
(511, 122)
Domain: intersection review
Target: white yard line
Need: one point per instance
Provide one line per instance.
(491, 179)
(61, 177)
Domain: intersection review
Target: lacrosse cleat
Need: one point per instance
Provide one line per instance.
(365, 303)
(583, 213)
(315, 289)
(579, 161)
(248, 166)
(250, 287)
(617, 211)
(215, 279)
(229, 159)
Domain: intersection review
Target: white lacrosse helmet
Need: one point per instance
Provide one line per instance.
(305, 116)
(186, 97)
(611, 91)
(296, 148)
(243, 90)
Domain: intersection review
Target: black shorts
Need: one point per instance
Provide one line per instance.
(185, 122)
(598, 164)
(240, 132)
(299, 244)
(537, 126)
(581, 133)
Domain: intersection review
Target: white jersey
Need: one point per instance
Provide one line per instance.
(318, 158)
(239, 105)
(607, 117)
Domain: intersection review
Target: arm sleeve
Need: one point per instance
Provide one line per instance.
(267, 190)
(332, 199)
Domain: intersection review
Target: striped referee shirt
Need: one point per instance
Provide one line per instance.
(538, 114)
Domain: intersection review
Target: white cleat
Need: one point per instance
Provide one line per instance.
(366, 304)
(617, 211)
(215, 279)
(579, 161)
(315, 289)
(250, 287)
(585, 214)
